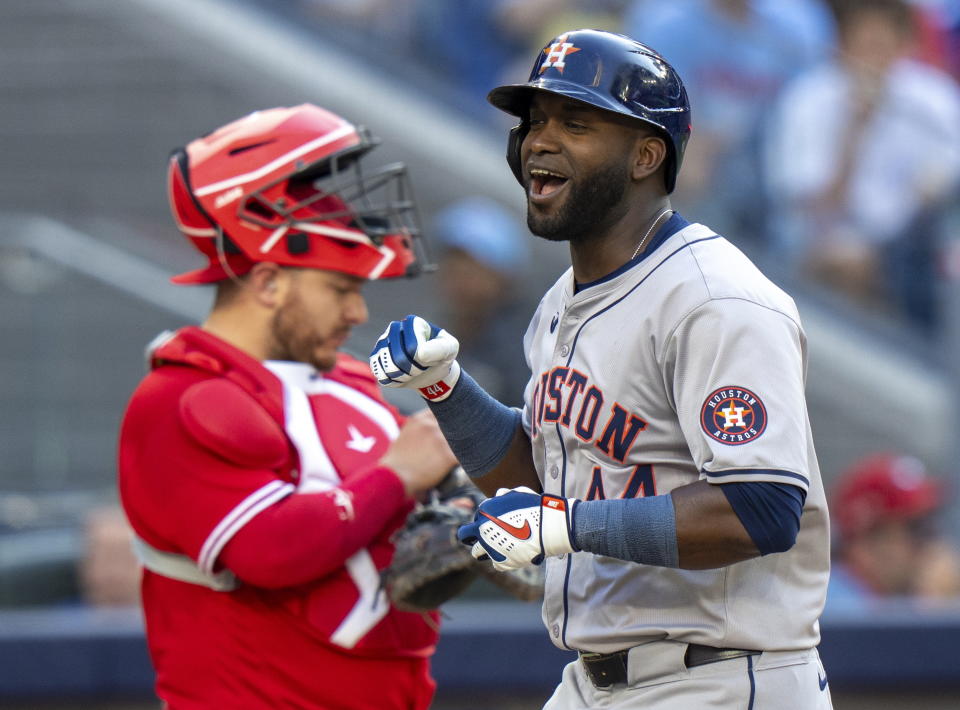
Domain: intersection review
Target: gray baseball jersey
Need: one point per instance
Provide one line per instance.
(689, 364)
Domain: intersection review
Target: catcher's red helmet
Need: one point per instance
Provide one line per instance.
(285, 185)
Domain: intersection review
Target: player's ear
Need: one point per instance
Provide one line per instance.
(649, 152)
(268, 283)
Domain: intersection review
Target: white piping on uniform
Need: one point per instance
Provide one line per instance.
(237, 518)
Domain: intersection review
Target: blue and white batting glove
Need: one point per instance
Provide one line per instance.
(518, 527)
(416, 354)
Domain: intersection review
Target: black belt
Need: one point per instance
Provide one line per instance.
(606, 669)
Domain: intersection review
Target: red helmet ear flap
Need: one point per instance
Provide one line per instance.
(191, 218)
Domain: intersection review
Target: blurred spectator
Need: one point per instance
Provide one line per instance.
(469, 41)
(937, 24)
(860, 152)
(539, 20)
(948, 12)
(109, 573)
(734, 57)
(479, 44)
(484, 254)
(887, 544)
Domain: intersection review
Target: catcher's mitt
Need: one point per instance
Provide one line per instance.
(430, 566)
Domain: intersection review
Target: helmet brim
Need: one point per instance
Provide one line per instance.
(510, 98)
(515, 98)
(214, 271)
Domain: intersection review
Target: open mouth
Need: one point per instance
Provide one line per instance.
(545, 184)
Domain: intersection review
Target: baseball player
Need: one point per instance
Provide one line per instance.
(662, 468)
(261, 471)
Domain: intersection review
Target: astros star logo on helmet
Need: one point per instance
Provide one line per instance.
(557, 53)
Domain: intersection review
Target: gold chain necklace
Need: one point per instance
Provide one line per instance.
(643, 242)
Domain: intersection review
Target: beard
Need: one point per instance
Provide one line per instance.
(295, 338)
(586, 209)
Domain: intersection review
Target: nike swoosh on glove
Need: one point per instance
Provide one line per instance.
(415, 354)
(518, 527)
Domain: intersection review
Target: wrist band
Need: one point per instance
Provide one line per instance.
(439, 391)
(637, 529)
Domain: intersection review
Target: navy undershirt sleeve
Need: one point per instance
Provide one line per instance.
(770, 512)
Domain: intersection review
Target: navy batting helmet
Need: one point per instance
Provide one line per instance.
(611, 72)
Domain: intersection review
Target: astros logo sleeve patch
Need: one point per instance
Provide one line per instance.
(733, 416)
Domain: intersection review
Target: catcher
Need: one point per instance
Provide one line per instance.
(262, 472)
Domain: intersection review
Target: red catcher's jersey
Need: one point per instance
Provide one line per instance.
(199, 461)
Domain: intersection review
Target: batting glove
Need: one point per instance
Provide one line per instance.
(416, 354)
(518, 527)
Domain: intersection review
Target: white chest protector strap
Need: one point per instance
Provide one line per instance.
(182, 568)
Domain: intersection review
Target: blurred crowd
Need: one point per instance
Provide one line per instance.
(826, 133)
